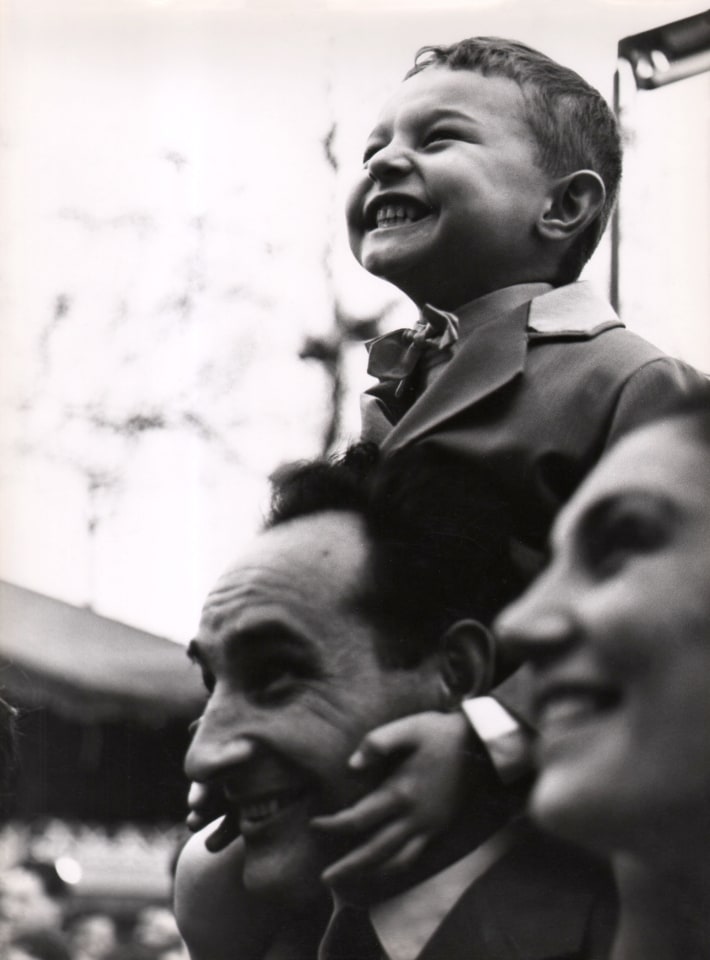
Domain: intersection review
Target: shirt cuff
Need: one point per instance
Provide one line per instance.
(507, 743)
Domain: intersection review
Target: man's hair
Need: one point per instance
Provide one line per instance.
(572, 123)
(439, 537)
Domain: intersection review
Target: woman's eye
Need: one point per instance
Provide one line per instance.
(627, 537)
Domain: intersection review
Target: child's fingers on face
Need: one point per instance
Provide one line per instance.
(366, 814)
(385, 740)
(370, 855)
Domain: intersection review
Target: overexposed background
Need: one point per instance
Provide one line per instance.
(172, 180)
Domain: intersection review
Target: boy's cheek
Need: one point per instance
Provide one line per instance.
(354, 209)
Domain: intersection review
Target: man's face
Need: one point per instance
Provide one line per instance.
(451, 189)
(295, 684)
(618, 633)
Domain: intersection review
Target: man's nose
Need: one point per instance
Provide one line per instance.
(390, 161)
(539, 624)
(218, 744)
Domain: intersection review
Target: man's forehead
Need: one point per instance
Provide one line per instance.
(310, 560)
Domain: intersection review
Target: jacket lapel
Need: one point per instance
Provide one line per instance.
(536, 903)
(488, 358)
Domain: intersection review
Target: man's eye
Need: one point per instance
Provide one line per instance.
(273, 683)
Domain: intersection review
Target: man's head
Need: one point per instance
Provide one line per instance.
(617, 630)
(491, 165)
(357, 605)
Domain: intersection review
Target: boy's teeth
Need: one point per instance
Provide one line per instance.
(395, 213)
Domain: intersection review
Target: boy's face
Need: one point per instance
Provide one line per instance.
(451, 190)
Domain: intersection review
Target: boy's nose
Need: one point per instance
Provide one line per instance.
(390, 161)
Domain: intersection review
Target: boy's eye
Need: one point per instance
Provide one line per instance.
(440, 134)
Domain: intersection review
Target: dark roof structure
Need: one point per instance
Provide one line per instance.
(88, 668)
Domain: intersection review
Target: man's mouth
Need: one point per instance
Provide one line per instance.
(385, 213)
(258, 812)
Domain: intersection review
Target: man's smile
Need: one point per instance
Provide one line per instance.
(258, 812)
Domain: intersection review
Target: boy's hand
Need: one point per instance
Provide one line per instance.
(425, 760)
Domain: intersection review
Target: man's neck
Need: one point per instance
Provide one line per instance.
(470, 829)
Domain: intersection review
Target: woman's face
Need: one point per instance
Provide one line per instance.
(618, 633)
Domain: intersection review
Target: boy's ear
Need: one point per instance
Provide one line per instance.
(574, 201)
(467, 660)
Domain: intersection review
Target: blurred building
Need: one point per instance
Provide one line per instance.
(104, 715)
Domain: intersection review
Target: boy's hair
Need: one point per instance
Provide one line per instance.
(439, 535)
(572, 123)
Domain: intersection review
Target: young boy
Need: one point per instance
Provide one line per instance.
(487, 183)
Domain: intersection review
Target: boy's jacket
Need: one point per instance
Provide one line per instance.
(536, 396)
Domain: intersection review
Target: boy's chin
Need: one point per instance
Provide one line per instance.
(404, 274)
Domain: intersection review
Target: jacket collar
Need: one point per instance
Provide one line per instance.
(484, 361)
(536, 903)
(572, 311)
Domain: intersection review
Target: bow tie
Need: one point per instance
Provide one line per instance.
(394, 356)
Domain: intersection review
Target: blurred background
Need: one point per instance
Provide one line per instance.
(180, 314)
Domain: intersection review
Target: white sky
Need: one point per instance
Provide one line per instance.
(158, 149)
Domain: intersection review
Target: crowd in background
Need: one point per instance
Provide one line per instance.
(39, 921)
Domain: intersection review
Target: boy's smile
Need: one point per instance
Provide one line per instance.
(451, 190)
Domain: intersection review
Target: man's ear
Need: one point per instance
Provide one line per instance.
(467, 660)
(574, 201)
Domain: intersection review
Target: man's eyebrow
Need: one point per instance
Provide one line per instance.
(268, 633)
